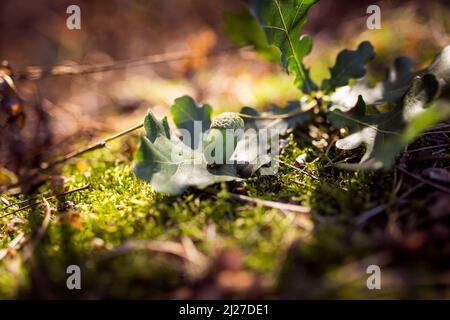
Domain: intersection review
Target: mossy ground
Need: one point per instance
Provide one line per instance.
(252, 251)
(284, 254)
(118, 208)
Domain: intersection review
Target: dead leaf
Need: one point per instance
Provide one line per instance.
(300, 161)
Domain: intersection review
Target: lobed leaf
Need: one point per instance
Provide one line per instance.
(384, 135)
(243, 29)
(392, 89)
(349, 65)
(282, 21)
(170, 166)
(397, 82)
(185, 113)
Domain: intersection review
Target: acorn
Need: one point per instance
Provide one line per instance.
(222, 137)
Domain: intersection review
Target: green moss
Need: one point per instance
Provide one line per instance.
(118, 207)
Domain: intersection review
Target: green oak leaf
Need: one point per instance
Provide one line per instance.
(397, 82)
(185, 112)
(243, 29)
(384, 135)
(349, 65)
(393, 88)
(282, 21)
(170, 166)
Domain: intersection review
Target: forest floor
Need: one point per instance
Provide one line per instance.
(131, 242)
(310, 231)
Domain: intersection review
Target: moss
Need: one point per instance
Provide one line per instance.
(119, 207)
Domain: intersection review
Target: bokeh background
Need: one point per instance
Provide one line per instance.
(66, 112)
(35, 34)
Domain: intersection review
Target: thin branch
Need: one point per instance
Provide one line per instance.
(434, 132)
(272, 204)
(46, 199)
(298, 169)
(419, 178)
(95, 146)
(74, 154)
(429, 147)
(77, 153)
(369, 214)
(35, 73)
(21, 202)
(184, 250)
(15, 243)
(299, 182)
(438, 156)
(103, 143)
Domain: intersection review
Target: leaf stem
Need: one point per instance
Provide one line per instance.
(365, 124)
(291, 114)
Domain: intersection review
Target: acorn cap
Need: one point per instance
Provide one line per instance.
(228, 120)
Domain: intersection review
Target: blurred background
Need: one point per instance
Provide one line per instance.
(45, 116)
(60, 110)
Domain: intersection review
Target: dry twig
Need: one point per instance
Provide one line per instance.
(45, 199)
(272, 204)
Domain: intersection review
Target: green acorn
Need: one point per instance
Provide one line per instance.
(222, 137)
